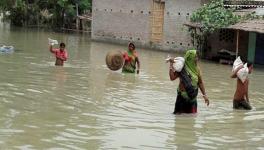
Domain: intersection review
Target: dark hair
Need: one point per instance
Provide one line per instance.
(62, 44)
(249, 64)
(132, 44)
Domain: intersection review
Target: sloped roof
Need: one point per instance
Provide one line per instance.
(249, 25)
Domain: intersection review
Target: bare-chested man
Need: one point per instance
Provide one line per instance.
(241, 100)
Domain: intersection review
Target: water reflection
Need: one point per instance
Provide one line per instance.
(184, 128)
(60, 76)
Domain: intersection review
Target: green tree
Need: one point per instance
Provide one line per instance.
(210, 18)
(214, 15)
(6, 4)
(18, 13)
(62, 12)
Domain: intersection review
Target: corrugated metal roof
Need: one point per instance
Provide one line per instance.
(249, 6)
(244, 3)
(248, 25)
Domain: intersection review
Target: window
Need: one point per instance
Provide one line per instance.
(226, 35)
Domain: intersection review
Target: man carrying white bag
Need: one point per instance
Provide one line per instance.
(241, 72)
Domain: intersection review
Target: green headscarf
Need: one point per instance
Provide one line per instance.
(191, 66)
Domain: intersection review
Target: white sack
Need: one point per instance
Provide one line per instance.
(242, 74)
(237, 63)
(178, 63)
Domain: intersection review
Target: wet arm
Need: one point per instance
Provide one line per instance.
(173, 74)
(138, 64)
(202, 88)
(51, 49)
(201, 85)
(64, 57)
(233, 75)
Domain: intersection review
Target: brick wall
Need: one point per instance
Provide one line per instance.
(120, 21)
(178, 12)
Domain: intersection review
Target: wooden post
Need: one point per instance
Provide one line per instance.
(26, 21)
(77, 17)
(237, 43)
(77, 23)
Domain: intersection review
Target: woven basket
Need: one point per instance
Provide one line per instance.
(114, 60)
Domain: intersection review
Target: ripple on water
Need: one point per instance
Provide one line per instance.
(84, 105)
(256, 115)
(34, 91)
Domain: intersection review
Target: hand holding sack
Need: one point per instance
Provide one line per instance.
(178, 66)
(178, 63)
(242, 73)
(237, 63)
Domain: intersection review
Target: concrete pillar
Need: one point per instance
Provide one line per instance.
(252, 46)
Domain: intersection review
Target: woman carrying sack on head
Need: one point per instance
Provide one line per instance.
(190, 81)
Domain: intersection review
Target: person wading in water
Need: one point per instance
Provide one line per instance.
(241, 100)
(131, 60)
(190, 81)
(60, 54)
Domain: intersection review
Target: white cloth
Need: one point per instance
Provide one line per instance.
(52, 42)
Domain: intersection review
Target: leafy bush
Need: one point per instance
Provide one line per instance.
(59, 12)
(214, 16)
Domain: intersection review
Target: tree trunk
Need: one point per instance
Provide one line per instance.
(62, 18)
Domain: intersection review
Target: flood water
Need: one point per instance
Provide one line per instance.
(84, 105)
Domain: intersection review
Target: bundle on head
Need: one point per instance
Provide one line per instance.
(114, 60)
